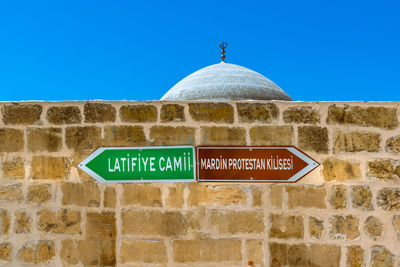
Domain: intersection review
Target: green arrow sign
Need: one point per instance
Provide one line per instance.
(141, 164)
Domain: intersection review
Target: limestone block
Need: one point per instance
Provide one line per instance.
(124, 136)
(221, 195)
(172, 136)
(354, 256)
(344, 227)
(223, 136)
(50, 168)
(207, 250)
(380, 117)
(356, 142)
(11, 140)
(22, 222)
(62, 221)
(361, 197)
(172, 113)
(211, 112)
(99, 112)
(271, 135)
(316, 226)
(141, 251)
(313, 138)
(11, 193)
(302, 114)
(39, 193)
(384, 169)
(373, 227)
(340, 170)
(389, 199)
(256, 112)
(80, 194)
(41, 251)
(44, 139)
(138, 113)
(60, 115)
(381, 256)
(14, 168)
(22, 114)
(286, 226)
(236, 222)
(142, 194)
(337, 197)
(306, 196)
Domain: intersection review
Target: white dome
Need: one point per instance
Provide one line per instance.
(225, 81)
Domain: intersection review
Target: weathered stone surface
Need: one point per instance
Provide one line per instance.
(257, 194)
(389, 199)
(6, 251)
(80, 194)
(313, 138)
(384, 169)
(64, 115)
(41, 251)
(142, 194)
(143, 251)
(286, 226)
(101, 225)
(110, 197)
(175, 196)
(4, 222)
(324, 255)
(340, 170)
(22, 222)
(172, 136)
(11, 193)
(356, 142)
(363, 116)
(83, 138)
(251, 112)
(101, 235)
(271, 135)
(14, 168)
(172, 113)
(235, 222)
(396, 225)
(44, 139)
(11, 140)
(211, 112)
(138, 113)
(221, 195)
(361, 197)
(316, 227)
(90, 252)
(278, 254)
(337, 197)
(381, 257)
(62, 221)
(298, 255)
(306, 196)
(354, 256)
(39, 193)
(51, 168)
(343, 227)
(22, 114)
(303, 114)
(275, 196)
(99, 112)
(154, 223)
(393, 144)
(69, 252)
(373, 227)
(255, 253)
(207, 250)
(223, 136)
(124, 136)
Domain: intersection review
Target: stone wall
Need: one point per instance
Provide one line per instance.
(344, 213)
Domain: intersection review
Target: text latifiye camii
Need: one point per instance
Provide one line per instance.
(150, 164)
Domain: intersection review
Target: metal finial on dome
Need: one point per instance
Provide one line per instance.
(223, 45)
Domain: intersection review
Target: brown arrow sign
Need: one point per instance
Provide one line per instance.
(252, 164)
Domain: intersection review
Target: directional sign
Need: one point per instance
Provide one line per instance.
(252, 164)
(141, 164)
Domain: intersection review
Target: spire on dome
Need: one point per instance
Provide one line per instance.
(223, 45)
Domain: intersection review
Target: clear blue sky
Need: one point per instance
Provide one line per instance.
(137, 50)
